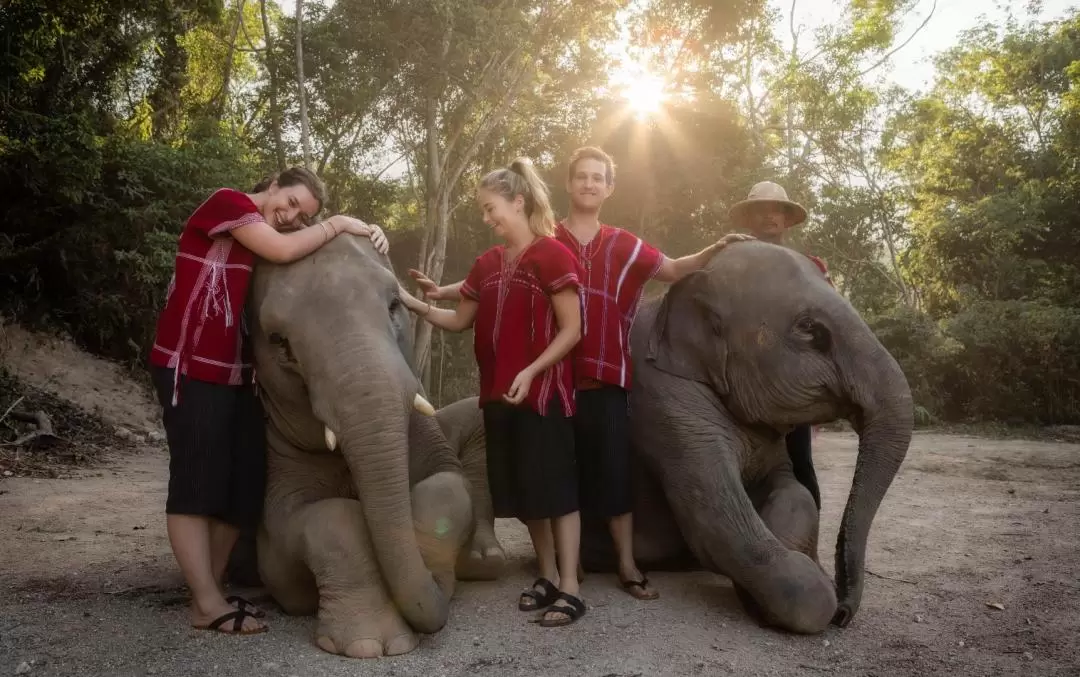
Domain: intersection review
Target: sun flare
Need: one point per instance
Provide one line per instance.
(645, 94)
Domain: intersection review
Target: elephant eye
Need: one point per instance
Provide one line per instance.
(282, 344)
(815, 333)
(395, 305)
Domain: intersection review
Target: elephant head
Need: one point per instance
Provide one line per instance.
(762, 329)
(331, 341)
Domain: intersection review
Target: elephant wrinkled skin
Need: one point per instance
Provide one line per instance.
(372, 533)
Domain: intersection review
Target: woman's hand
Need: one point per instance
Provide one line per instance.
(432, 291)
(354, 226)
(519, 389)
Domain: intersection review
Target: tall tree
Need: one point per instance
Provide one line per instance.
(460, 68)
(305, 124)
(272, 74)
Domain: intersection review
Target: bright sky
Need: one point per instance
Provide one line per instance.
(912, 67)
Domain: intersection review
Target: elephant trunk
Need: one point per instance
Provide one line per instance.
(884, 422)
(372, 416)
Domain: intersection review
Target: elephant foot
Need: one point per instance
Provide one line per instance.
(483, 559)
(443, 518)
(793, 594)
(750, 605)
(366, 636)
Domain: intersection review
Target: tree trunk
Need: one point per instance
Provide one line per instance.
(271, 70)
(221, 100)
(433, 180)
(305, 128)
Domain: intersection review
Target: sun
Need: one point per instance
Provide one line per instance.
(645, 94)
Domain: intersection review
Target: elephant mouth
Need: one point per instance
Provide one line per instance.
(419, 403)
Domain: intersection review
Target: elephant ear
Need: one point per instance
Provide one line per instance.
(685, 339)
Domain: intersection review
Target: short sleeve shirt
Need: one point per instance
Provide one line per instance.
(515, 321)
(198, 331)
(616, 265)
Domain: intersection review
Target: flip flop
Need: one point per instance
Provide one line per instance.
(639, 589)
(539, 600)
(570, 613)
(243, 605)
(237, 617)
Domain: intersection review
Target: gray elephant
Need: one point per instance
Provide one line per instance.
(375, 503)
(725, 364)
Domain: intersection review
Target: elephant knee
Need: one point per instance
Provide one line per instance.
(442, 509)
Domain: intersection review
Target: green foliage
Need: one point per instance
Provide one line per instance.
(1019, 363)
(948, 218)
(99, 266)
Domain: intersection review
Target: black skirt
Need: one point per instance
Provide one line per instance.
(532, 468)
(217, 449)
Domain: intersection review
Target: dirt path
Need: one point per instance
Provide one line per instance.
(88, 585)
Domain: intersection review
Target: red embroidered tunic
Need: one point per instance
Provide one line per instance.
(515, 321)
(616, 265)
(198, 331)
(824, 269)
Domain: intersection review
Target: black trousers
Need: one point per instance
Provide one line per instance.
(798, 448)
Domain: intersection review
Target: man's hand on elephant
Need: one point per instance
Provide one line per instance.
(733, 237)
(519, 389)
(432, 291)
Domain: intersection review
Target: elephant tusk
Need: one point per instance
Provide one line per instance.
(331, 439)
(423, 406)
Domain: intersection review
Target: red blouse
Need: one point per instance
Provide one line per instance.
(198, 331)
(515, 321)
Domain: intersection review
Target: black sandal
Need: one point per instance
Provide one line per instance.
(640, 589)
(570, 613)
(243, 605)
(237, 617)
(539, 601)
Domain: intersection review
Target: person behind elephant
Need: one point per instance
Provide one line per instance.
(768, 214)
(203, 378)
(616, 266)
(523, 298)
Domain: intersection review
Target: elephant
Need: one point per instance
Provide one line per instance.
(724, 365)
(375, 503)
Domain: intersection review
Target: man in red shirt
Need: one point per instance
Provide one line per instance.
(616, 265)
(767, 214)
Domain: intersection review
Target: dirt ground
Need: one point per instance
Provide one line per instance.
(89, 586)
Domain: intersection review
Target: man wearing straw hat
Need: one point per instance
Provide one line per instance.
(767, 214)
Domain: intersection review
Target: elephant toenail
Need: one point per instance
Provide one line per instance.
(401, 644)
(326, 644)
(365, 648)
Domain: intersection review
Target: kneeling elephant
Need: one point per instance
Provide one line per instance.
(725, 364)
(375, 503)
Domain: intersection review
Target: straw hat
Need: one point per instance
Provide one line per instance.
(767, 192)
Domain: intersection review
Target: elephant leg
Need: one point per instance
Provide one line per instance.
(443, 519)
(357, 618)
(790, 513)
(482, 559)
(727, 534)
(789, 510)
(285, 575)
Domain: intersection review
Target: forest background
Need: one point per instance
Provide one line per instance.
(948, 211)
